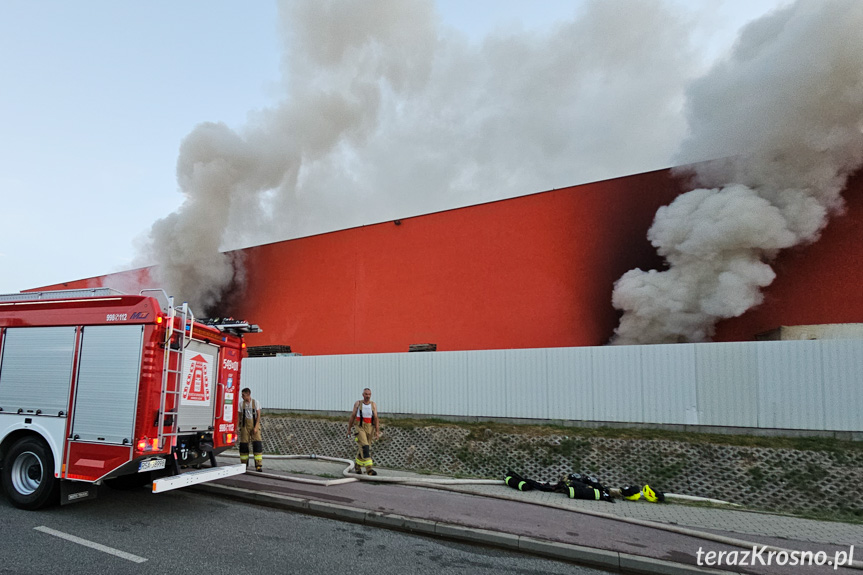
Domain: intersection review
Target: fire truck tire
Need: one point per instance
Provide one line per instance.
(28, 474)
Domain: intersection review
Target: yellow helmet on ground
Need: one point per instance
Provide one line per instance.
(651, 495)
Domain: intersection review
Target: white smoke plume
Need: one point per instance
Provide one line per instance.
(386, 113)
(785, 110)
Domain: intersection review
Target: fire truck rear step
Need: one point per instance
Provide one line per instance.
(196, 476)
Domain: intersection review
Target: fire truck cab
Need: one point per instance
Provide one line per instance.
(100, 386)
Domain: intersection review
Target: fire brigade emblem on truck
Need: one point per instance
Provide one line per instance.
(196, 386)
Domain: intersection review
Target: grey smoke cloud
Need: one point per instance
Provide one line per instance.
(387, 113)
(785, 111)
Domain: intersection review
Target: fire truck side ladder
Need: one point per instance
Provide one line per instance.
(172, 371)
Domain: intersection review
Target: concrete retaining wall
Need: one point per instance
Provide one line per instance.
(784, 479)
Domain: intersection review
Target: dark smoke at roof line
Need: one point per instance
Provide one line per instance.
(787, 110)
(386, 114)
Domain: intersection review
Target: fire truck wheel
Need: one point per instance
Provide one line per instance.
(28, 474)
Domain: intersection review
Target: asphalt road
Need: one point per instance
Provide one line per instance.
(180, 532)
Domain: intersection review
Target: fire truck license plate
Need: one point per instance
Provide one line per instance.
(151, 464)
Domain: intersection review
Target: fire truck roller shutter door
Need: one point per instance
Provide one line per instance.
(36, 369)
(107, 389)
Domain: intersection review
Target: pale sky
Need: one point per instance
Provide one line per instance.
(96, 97)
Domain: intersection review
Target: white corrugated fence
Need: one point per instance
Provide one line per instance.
(807, 385)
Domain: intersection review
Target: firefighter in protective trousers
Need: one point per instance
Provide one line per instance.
(250, 429)
(365, 414)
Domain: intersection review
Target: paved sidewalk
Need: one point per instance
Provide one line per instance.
(625, 536)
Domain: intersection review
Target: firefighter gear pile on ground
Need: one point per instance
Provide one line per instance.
(575, 485)
(578, 486)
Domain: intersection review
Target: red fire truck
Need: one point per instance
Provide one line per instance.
(99, 387)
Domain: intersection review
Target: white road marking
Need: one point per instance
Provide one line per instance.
(90, 544)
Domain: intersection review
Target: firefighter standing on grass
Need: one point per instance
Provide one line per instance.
(365, 414)
(250, 429)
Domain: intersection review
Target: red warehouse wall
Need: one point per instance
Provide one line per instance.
(533, 271)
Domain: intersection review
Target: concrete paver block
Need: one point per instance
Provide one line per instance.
(420, 525)
(388, 520)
